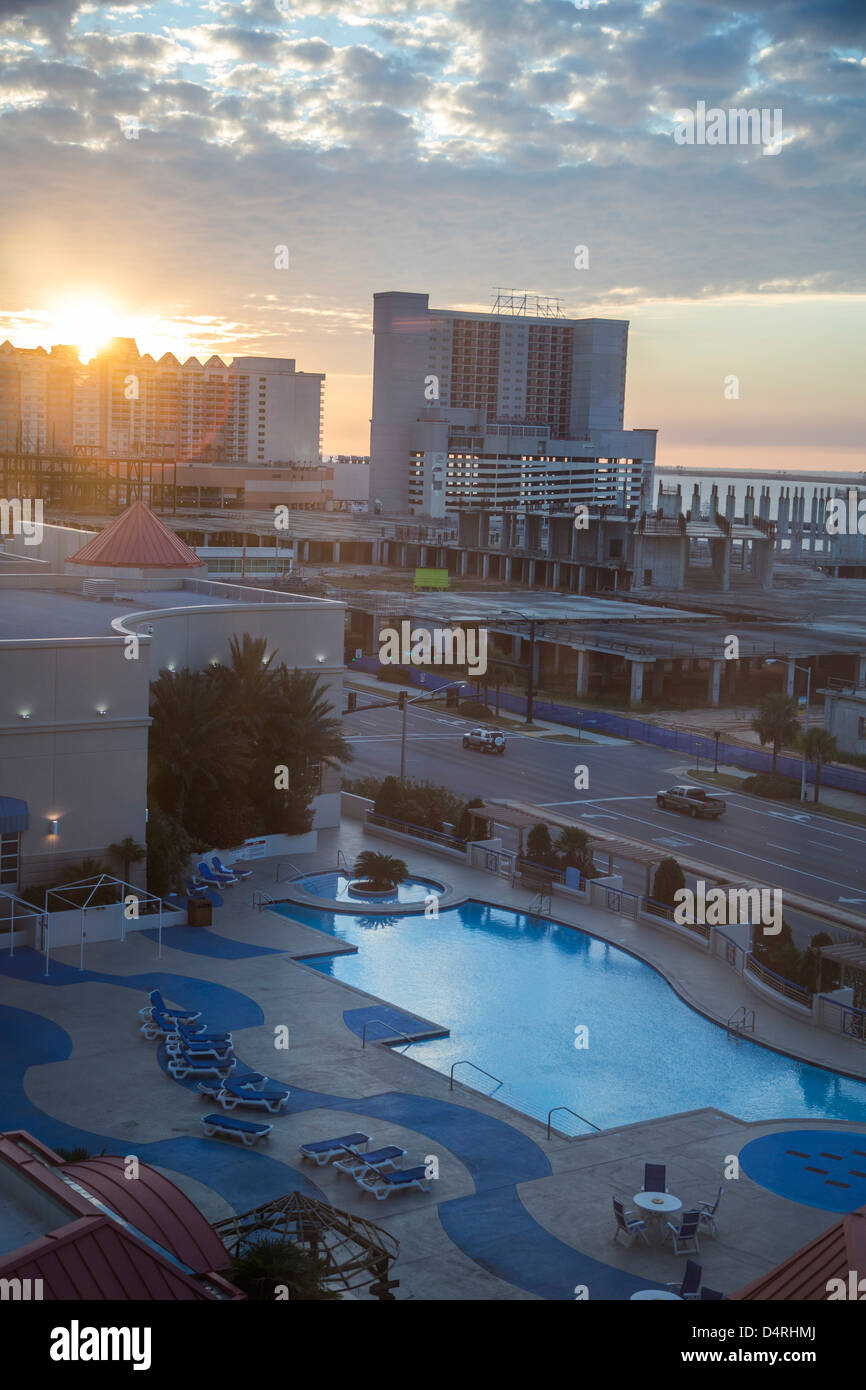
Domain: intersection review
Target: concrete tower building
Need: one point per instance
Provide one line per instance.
(511, 409)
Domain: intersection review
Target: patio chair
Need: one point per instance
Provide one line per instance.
(175, 1045)
(157, 1002)
(389, 1157)
(201, 890)
(708, 1212)
(711, 1293)
(688, 1286)
(271, 1096)
(654, 1177)
(200, 1035)
(220, 868)
(321, 1151)
(212, 878)
(381, 1185)
(248, 1131)
(183, 1065)
(627, 1225)
(685, 1236)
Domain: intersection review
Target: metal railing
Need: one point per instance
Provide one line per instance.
(343, 863)
(464, 1062)
(296, 872)
(420, 832)
(796, 993)
(262, 899)
(742, 1020)
(404, 1037)
(582, 1118)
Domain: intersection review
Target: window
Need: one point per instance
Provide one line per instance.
(9, 857)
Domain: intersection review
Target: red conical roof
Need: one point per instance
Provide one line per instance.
(137, 540)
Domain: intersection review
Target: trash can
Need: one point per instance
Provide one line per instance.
(199, 912)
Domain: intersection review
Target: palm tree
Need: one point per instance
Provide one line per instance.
(128, 851)
(380, 871)
(776, 722)
(573, 846)
(192, 745)
(273, 1261)
(249, 684)
(307, 729)
(820, 748)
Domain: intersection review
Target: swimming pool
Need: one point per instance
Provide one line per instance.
(513, 988)
(336, 888)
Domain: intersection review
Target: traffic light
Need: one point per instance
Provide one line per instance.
(351, 700)
(451, 698)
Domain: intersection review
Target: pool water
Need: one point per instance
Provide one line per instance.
(335, 887)
(513, 988)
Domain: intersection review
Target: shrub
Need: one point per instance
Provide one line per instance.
(398, 675)
(669, 878)
(539, 846)
(462, 825)
(168, 852)
(773, 785)
(473, 709)
(271, 1262)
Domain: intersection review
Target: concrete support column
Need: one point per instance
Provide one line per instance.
(516, 643)
(790, 675)
(506, 575)
(305, 555)
(464, 561)
(485, 565)
(530, 579)
(636, 694)
(861, 670)
(581, 579)
(554, 579)
(335, 557)
(404, 557)
(557, 653)
(714, 681)
(731, 678)
(583, 660)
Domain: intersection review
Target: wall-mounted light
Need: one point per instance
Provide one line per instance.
(320, 659)
(53, 824)
(214, 664)
(103, 710)
(24, 714)
(171, 666)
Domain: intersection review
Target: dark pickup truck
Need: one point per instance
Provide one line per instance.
(695, 800)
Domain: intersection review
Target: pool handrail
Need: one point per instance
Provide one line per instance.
(385, 1024)
(571, 1112)
(465, 1062)
(296, 872)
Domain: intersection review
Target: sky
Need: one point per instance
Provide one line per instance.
(153, 156)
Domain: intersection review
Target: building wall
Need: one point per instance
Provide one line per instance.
(842, 718)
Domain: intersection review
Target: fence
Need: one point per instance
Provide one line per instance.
(624, 726)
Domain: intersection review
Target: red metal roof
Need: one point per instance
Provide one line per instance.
(94, 1259)
(137, 539)
(155, 1207)
(805, 1274)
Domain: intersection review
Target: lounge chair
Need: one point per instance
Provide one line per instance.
(213, 879)
(685, 1236)
(183, 1065)
(211, 1089)
(654, 1177)
(384, 1159)
(321, 1151)
(175, 1045)
(271, 1096)
(711, 1293)
(381, 1185)
(157, 1002)
(628, 1225)
(158, 1025)
(248, 1131)
(220, 868)
(691, 1281)
(200, 1035)
(708, 1212)
(201, 890)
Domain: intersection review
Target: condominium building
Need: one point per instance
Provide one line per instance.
(256, 410)
(509, 409)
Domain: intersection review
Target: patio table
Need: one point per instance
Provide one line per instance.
(648, 1294)
(657, 1207)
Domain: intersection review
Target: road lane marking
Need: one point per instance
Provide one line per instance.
(594, 800)
(785, 848)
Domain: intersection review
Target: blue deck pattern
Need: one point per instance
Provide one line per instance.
(491, 1226)
(819, 1167)
(396, 1022)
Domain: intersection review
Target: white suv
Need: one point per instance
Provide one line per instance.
(485, 740)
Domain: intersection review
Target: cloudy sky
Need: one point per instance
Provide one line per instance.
(155, 154)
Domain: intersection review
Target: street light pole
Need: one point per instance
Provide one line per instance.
(808, 671)
(531, 671)
(402, 698)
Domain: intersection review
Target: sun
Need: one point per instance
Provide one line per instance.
(87, 322)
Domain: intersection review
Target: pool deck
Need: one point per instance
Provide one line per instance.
(512, 1215)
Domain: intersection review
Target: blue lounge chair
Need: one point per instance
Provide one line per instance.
(220, 868)
(201, 890)
(157, 1002)
(211, 878)
(323, 1150)
(628, 1225)
(384, 1159)
(158, 1025)
(708, 1212)
(183, 1065)
(654, 1177)
(211, 1089)
(199, 1035)
(248, 1131)
(175, 1045)
(685, 1236)
(691, 1281)
(381, 1185)
(271, 1096)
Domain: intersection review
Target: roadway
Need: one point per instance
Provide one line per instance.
(785, 847)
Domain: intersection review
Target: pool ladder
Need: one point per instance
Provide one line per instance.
(385, 1024)
(541, 903)
(741, 1021)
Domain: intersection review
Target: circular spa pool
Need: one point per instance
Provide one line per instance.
(339, 888)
